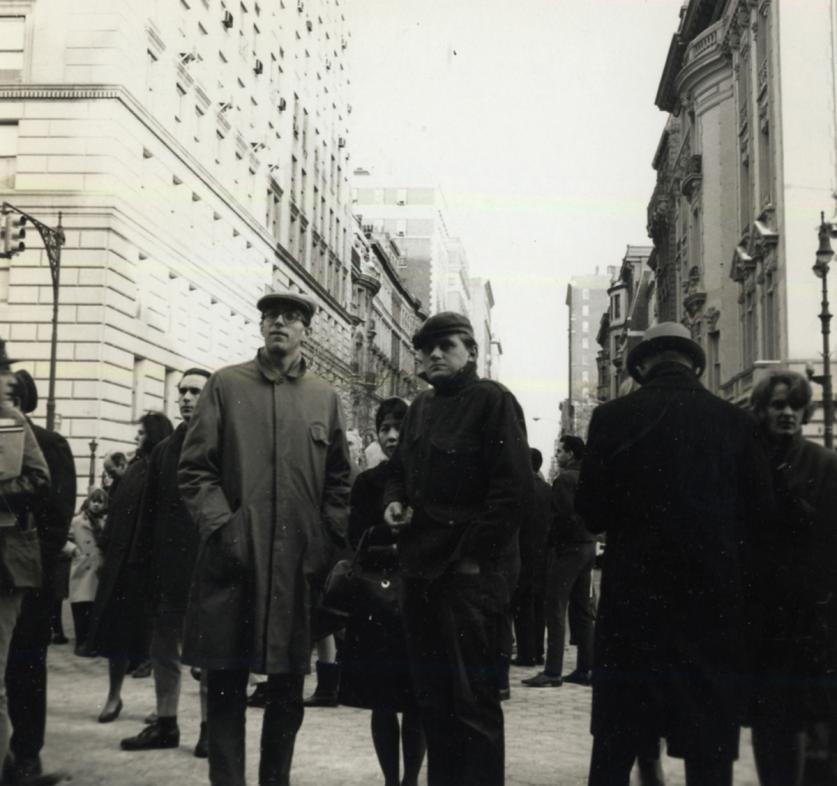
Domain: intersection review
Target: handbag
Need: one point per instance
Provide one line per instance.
(352, 588)
(20, 557)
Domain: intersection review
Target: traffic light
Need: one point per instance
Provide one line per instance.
(12, 233)
(17, 236)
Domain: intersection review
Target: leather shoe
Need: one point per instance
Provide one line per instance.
(258, 698)
(108, 717)
(543, 680)
(152, 737)
(578, 677)
(28, 772)
(525, 663)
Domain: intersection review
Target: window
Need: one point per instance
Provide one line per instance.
(198, 124)
(11, 42)
(274, 208)
(138, 389)
(713, 361)
(616, 307)
(8, 154)
(585, 311)
(180, 96)
(585, 294)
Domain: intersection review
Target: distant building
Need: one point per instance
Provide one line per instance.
(385, 318)
(631, 310)
(433, 263)
(744, 166)
(587, 298)
(490, 349)
(197, 152)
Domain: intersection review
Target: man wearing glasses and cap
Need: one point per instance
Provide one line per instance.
(460, 483)
(677, 479)
(264, 473)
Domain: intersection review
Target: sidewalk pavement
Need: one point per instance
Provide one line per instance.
(547, 737)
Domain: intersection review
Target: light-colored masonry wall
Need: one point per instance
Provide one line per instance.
(177, 214)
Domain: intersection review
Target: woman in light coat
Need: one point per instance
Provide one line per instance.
(83, 546)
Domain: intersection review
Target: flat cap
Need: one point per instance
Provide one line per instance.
(286, 297)
(441, 324)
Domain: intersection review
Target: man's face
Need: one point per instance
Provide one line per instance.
(113, 470)
(563, 456)
(445, 357)
(783, 419)
(388, 435)
(189, 391)
(283, 329)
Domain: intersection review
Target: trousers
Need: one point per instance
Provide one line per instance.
(454, 626)
(226, 707)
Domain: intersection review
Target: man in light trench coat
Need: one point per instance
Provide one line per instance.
(264, 473)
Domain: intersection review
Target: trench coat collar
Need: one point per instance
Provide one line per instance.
(672, 374)
(272, 374)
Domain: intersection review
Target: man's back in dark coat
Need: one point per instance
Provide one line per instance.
(678, 479)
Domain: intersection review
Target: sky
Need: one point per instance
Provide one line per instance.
(537, 120)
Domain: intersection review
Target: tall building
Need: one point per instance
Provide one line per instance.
(386, 316)
(481, 304)
(746, 162)
(196, 151)
(586, 300)
(433, 263)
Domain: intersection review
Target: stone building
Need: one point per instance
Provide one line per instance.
(490, 348)
(197, 153)
(385, 317)
(433, 262)
(746, 162)
(587, 298)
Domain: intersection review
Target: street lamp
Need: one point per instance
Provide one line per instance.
(53, 239)
(825, 254)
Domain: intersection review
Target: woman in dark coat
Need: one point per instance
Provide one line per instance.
(119, 624)
(796, 691)
(375, 672)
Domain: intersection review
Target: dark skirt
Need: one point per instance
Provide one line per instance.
(374, 668)
(120, 624)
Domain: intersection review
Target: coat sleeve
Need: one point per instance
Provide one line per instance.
(396, 485)
(199, 470)
(510, 481)
(21, 494)
(591, 497)
(55, 511)
(335, 505)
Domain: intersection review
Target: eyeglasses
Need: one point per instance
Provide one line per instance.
(288, 315)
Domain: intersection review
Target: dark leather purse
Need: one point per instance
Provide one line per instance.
(356, 587)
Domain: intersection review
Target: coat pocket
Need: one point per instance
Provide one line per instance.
(20, 552)
(225, 550)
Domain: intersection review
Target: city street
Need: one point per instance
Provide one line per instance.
(547, 736)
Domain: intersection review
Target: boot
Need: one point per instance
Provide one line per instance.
(202, 745)
(328, 681)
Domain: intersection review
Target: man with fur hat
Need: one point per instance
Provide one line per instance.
(26, 670)
(678, 479)
(460, 483)
(24, 485)
(264, 474)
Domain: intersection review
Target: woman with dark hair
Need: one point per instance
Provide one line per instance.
(375, 672)
(796, 688)
(119, 623)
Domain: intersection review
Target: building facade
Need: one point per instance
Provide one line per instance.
(746, 162)
(586, 300)
(197, 154)
(490, 348)
(385, 318)
(433, 263)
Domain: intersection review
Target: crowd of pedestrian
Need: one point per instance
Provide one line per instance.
(218, 544)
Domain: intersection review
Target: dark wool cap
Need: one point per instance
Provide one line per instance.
(26, 391)
(442, 324)
(284, 297)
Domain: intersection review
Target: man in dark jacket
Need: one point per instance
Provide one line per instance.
(165, 547)
(24, 486)
(460, 483)
(264, 473)
(569, 574)
(529, 596)
(679, 481)
(26, 669)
